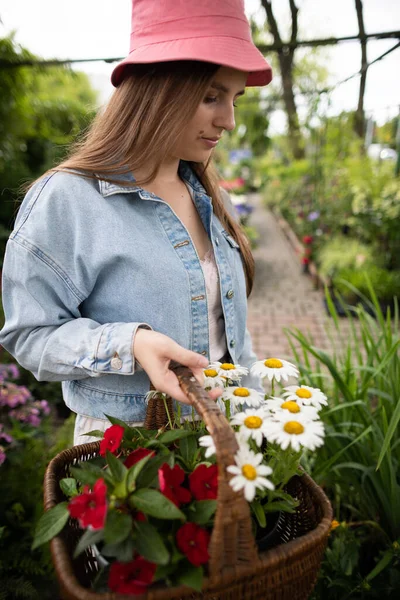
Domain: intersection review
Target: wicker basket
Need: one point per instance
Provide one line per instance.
(236, 570)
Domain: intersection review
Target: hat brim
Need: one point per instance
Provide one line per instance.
(225, 51)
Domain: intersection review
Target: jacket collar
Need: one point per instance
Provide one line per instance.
(109, 189)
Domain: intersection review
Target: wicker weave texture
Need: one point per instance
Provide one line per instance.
(236, 570)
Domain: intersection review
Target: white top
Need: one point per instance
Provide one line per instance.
(216, 323)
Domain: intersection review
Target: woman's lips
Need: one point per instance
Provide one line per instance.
(210, 142)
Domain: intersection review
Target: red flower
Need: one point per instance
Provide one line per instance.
(193, 541)
(90, 508)
(307, 239)
(136, 455)
(139, 516)
(131, 578)
(305, 260)
(170, 481)
(112, 439)
(203, 482)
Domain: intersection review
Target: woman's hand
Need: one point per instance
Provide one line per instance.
(155, 351)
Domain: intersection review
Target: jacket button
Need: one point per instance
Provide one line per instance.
(230, 294)
(116, 362)
(232, 343)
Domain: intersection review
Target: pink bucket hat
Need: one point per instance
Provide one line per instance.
(215, 31)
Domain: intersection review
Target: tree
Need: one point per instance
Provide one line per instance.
(286, 63)
(359, 118)
(42, 110)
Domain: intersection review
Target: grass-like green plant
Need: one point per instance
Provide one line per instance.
(359, 465)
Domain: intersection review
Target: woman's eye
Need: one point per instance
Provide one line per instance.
(210, 99)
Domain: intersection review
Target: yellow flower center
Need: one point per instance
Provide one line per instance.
(227, 366)
(249, 472)
(273, 363)
(242, 392)
(253, 422)
(210, 372)
(291, 406)
(302, 393)
(293, 427)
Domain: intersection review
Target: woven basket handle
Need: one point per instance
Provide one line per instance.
(232, 546)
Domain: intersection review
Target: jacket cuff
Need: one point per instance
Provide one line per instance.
(114, 353)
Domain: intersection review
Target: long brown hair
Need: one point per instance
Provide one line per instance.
(139, 127)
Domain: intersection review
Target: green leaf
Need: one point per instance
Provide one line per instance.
(150, 544)
(189, 449)
(259, 513)
(117, 467)
(68, 486)
(203, 510)
(50, 524)
(382, 564)
(149, 476)
(192, 577)
(129, 432)
(134, 471)
(155, 504)
(123, 551)
(285, 505)
(83, 476)
(95, 433)
(118, 527)
(89, 473)
(89, 538)
(393, 427)
(115, 421)
(174, 434)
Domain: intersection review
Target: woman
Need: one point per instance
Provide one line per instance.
(124, 257)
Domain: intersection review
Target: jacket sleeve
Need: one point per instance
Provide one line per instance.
(247, 359)
(44, 329)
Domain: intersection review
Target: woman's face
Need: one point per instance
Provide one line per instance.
(214, 115)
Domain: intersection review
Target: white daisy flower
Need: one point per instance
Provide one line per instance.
(242, 395)
(207, 442)
(228, 370)
(252, 423)
(274, 368)
(305, 395)
(275, 405)
(212, 379)
(154, 394)
(249, 473)
(295, 430)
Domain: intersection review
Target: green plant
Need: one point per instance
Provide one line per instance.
(344, 253)
(356, 566)
(27, 435)
(349, 283)
(360, 463)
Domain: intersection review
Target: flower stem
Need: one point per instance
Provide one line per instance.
(167, 411)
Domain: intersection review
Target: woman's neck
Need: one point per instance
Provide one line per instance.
(166, 175)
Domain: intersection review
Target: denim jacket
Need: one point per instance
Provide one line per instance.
(87, 263)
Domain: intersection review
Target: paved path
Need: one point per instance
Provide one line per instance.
(282, 295)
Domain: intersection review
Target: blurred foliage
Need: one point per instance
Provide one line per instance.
(347, 202)
(25, 573)
(42, 110)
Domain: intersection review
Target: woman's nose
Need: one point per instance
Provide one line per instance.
(226, 119)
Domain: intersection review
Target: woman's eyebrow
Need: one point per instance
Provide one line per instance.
(222, 88)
